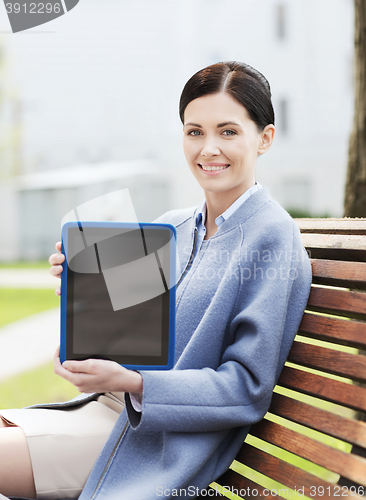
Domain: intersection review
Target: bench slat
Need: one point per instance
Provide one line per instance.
(341, 331)
(238, 482)
(348, 465)
(346, 429)
(334, 242)
(332, 226)
(340, 302)
(352, 366)
(341, 247)
(339, 273)
(285, 473)
(351, 396)
(338, 254)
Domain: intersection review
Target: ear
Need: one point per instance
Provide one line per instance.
(266, 139)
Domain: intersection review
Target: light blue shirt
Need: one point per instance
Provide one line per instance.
(201, 216)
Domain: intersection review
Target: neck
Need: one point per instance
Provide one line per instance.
(218, 203)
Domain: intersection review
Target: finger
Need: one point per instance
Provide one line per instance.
(58, 291)
(58, 246)
(60, 370)
(57, 367)
(74, 378)
(86, 366)
(83, 382)
(56, 259)
(56, 271)
(56, 356)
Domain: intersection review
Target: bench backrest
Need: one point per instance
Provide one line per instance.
(312, 440)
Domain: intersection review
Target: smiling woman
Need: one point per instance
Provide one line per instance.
(237, 312)
(228, 121)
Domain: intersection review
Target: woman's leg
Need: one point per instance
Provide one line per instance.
(16, 476)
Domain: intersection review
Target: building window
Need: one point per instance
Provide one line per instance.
(281, 31)
(283, 116)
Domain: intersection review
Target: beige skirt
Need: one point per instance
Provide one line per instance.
(64, 444)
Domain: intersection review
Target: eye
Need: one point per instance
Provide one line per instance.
(194, 133)
(229, 132)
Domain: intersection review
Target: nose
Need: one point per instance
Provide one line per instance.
(210, 148)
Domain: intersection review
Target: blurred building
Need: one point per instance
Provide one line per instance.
(34, 205)
(102, 83)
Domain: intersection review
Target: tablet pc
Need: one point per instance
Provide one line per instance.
(118, 293)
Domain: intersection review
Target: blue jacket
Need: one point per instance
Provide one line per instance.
(239, 305)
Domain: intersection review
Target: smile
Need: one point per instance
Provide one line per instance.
(210, 168)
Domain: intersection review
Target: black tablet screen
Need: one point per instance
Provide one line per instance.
(118, 296)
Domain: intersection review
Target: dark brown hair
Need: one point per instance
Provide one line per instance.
(244, 83)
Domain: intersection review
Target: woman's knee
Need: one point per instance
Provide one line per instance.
(16, 475)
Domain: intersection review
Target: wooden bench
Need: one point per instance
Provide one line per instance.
(315, 418)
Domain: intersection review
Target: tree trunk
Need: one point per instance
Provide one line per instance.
(355, 199)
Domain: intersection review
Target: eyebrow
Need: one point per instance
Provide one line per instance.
(218, 126)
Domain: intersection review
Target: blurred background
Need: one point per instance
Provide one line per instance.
(89, 105)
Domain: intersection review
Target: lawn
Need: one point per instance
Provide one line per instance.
(36, 386)
(41, 264)
(18, 303)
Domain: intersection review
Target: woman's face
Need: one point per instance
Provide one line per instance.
(221, 144)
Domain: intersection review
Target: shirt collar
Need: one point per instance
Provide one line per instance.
(201, 214)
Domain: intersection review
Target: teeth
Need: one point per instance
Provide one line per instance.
(205, 167)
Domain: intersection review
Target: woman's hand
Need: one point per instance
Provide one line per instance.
(56, 259)
(98, 375)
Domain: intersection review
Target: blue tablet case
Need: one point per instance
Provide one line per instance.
(118, 293)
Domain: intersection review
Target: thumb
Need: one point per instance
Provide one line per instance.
(77, 366)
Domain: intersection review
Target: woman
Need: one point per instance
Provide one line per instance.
(244, 281)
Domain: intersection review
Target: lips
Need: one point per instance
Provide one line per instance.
(212, 167)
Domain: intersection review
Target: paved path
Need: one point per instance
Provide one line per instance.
(32, 341)
(29, 342)
(27, 278)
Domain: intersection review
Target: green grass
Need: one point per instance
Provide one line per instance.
(36, 386)
(18, 303)
(42, 264)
